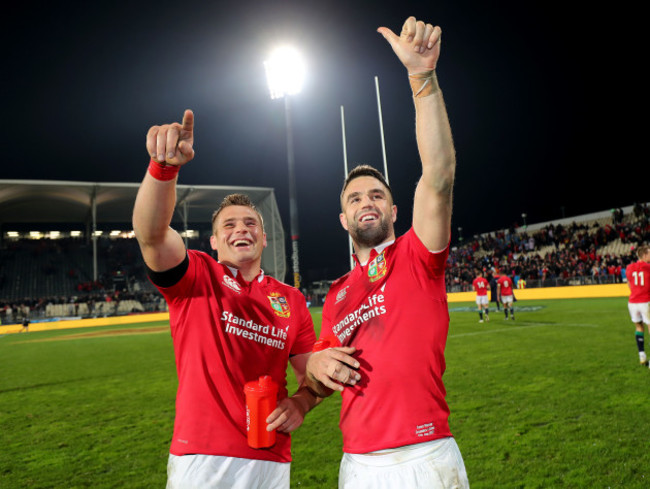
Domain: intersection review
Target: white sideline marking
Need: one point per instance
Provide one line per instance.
(527, 326)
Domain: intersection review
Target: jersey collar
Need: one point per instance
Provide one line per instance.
(374, 252)
(235, 273)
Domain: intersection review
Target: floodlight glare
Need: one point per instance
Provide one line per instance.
(285, 72)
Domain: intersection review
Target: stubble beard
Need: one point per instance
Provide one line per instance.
(370, 237)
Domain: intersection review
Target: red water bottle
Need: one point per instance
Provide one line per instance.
(261, 399)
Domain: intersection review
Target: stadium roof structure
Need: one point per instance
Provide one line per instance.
(42, 202)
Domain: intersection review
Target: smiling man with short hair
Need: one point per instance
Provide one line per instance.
(385, 323)
(230, 324)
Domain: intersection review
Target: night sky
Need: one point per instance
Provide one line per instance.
(542, 102)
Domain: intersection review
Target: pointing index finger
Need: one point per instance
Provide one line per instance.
(188, 121)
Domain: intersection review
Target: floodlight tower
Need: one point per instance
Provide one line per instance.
(285, 72)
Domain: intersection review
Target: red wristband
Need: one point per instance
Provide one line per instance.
(161, 171)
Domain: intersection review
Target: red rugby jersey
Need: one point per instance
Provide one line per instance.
(506, 285)
(638, 278)
(394, 311)
(480, 285)
(227, 332)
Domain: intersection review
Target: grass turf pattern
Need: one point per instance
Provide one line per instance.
(555, 398)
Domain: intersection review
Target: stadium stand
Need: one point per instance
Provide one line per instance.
(583, 250)
(54, 278)
(94, 275)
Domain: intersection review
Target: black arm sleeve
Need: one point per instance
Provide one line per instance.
(169, 277)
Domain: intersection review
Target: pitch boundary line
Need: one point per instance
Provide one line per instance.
(526, 326)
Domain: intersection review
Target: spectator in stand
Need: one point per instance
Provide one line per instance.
(506, 295)
(638, 279)
(25, 328)
(595, 273)
(481, 286)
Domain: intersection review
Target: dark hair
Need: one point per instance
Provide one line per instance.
(365, 171)
(236, 199)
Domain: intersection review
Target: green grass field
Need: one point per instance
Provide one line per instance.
(555, 399)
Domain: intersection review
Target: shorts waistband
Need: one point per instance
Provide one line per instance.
(392, 456)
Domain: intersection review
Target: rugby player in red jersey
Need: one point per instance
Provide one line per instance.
(387, 320)
(505, 295)
(638, 279)
(481, 286)
(230, 324)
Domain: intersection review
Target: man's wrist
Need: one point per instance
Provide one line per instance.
(315, 387)
(306, 398)
(162, 171)
(424, 84)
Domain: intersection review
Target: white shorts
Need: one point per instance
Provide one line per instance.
(506, 299)
(482, 300)
(639, 312)
(216, 472)
(436, 464)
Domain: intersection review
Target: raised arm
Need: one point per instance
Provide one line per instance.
(170, 146)
(418, 48)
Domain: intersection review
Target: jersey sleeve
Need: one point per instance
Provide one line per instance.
(326, 320)
(433, 261)
(183, 284)
(327, 335)
(306, 334)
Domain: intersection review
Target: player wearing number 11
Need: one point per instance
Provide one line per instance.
(638, 278)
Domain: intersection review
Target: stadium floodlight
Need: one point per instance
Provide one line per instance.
(285, 72)
(460, 233)
(524, 216)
